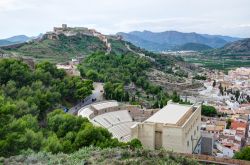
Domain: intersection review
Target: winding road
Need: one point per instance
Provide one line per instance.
(97, 95)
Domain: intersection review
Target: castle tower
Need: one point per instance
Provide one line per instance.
(64, 26)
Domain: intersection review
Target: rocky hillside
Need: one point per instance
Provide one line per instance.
(170, 39)
(241, 46)
(238, 48)
(61, 49)
(66, 43)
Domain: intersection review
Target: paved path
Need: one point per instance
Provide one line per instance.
(97, 95)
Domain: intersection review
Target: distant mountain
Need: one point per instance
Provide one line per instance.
(194, 47)
(169, 40)
(237, 48)
(14, 40)
(226, 38)
(5, 42)
(19, 38)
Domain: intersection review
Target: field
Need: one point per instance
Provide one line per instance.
(220, 63)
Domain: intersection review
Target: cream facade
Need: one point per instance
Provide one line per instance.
(175, 127)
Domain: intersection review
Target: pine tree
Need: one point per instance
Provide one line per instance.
(126, 97)
(161, 104)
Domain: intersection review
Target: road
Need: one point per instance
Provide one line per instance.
(97, 95)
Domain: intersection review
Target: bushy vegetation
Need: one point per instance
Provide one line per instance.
(62, 49)
(117, 71)
(199, 77)
(243, 154)
(94, 155)
(114, 68)
(209, 111)
(28, 99)
(115, 91)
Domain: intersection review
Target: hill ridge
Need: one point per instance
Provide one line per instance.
(169, 40)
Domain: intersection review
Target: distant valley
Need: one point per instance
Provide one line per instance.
(232, 55)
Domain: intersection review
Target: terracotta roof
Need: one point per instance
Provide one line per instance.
(238, 124)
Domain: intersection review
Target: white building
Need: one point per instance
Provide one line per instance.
(224, 151)
(175, 127)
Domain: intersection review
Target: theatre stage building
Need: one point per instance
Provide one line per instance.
(175, 127)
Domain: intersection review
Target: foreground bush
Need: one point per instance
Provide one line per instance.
(93, 155)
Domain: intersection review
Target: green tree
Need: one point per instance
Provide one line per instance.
(175, 97)
(115, 91)
(237, 95)
(53, 144)
(126, 97)
(161, 104)
(93, 75)
(91, 136)
(208, 111)
(135, 143)
(74, 88)
(62, 123)
(156, 104)
(48, 67)
(15, 70)
(229, 121)
(32, 139)
(243, 154)
(221, 89)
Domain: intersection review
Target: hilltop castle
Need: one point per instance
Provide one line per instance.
(69, 31)
(72, 31)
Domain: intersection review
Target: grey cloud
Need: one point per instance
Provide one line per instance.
(32, 17)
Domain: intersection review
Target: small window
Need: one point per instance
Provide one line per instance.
(188, 143)
(194, 132)
(197, 128)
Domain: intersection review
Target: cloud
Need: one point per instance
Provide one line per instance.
(6, 4)
(244, 25)
(32, 17)
(162, 24)
(12, 5)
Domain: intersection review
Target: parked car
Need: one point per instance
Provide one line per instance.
(65, 109)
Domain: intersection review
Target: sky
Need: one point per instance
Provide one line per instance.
(32, 17)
